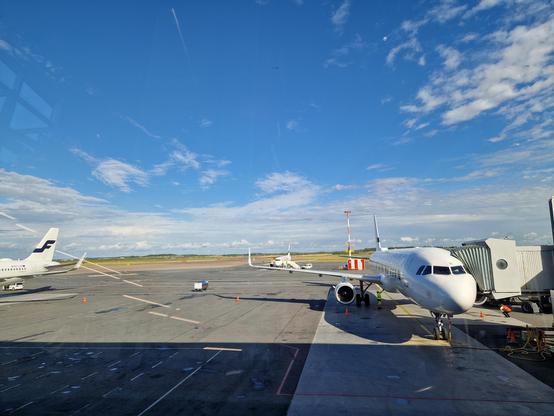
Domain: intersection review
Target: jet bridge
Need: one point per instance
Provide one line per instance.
(504, 270)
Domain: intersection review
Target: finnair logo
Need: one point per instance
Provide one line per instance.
(45, 246)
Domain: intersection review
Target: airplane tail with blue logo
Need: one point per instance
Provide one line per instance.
(44, 251)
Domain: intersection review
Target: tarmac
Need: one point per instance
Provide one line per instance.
(138, 342)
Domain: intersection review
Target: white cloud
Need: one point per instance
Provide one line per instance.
(451, 56)
(408, 239)
(483, 5)
(119, 174)
(204, 123)
(292, 125)
(114, 173)
(139, 126)
(209, 177)
(516, 70)
(282, 182)
(411, 46)
(340, 15)
(378, 166)
(342, 57)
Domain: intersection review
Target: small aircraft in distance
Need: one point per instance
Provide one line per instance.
(287, 262)
(429, 276)
(38, 263)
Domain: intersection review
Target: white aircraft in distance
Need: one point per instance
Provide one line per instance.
(429, 276)
(287, 262)
(38, 263)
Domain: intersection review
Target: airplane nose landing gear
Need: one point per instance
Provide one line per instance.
(442, 330)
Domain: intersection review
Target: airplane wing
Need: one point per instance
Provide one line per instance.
(59, 271)
(360, 277)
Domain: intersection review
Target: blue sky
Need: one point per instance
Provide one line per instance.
(147, 127)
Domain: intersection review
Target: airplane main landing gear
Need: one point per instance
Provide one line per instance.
(363, 295)
(442, 330)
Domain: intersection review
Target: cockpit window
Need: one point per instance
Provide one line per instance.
(441, 270)
(420, 270)
(427, 270)
(458, 270)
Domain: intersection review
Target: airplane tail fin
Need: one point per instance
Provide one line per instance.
(378, 246)
(44, 251)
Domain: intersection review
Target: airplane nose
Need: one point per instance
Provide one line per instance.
(461, 295)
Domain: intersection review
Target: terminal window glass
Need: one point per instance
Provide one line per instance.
(441, 270)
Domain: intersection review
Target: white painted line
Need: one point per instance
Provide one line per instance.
(222, 349)
(21, 407)
(9, 388)
(102, 273)
(184, 320)
(146, 301)
(133, 283)
(37, 353)
(90, 375)
(158, 314)
(60, 389)
(9, 362)
(80, 408)
(110, 392)
(137, 376)
(135, 354)
(173, 355)
(178, 384)
(157, 364)
(114, 363)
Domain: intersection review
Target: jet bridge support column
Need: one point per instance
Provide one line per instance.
(551, 209)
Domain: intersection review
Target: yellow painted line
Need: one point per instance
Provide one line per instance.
(146, 301)
(409, 313)
(222, 349)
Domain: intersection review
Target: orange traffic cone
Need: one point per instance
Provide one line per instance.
(346, 311)
(481, 315)
(85, 300)
(237, 300)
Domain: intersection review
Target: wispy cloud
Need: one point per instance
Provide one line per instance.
(114, 173)
(205, 123)
(139, 126)
(292, 125)
(209, 177)
(342, 57)
(340, 16)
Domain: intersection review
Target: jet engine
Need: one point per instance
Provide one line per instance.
(345, 292)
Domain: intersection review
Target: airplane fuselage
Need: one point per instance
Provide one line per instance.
(15, 268)
(430, 276)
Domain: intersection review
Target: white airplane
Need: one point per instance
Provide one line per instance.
(287, 262)
(429, 276)
(39, 262)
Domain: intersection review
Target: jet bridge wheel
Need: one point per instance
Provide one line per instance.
(358, 300)
(366, 299)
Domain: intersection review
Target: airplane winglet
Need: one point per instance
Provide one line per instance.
(250, 258)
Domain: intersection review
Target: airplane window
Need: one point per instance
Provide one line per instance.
(420, 270)
(458, 270)
(427, 270)
(441, 270)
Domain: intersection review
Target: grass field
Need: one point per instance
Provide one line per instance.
(258, 258)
